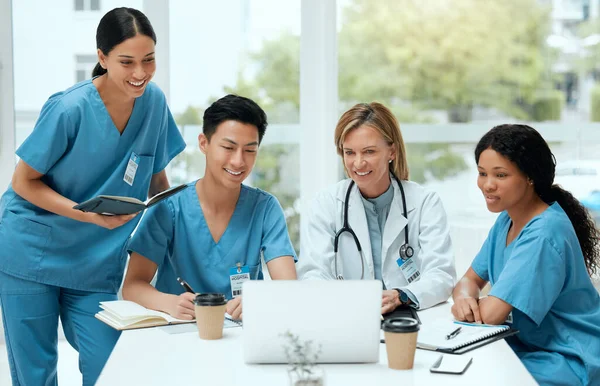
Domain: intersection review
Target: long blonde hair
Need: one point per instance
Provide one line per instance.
(380, 118)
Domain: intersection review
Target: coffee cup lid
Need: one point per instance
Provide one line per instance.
(401, 325)
(210, 299)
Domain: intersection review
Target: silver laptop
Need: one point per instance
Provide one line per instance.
(343, 317)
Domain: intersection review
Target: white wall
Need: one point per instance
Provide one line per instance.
(7, 117)
(6, 104)
(45, 60)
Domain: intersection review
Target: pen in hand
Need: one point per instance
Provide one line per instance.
(188, 288)
(185, 285)
(453, 333)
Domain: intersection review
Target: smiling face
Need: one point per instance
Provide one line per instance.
(230, 153)
(130, 65)
(502, 183)
(366, 158)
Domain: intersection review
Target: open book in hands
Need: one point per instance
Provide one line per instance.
(126, 315)
(124, 205)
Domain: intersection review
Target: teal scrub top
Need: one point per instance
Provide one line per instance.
(174, 235)
(81, 154)
(556, 308)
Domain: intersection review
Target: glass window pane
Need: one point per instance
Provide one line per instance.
(55, 23)
(250, 48)
(80, 75)
(86, 59)
(95, 5)
(450, 74)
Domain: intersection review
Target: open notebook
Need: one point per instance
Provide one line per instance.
(127, 315)
(433, 336)
(110, 205)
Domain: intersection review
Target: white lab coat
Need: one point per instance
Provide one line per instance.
(428, 235)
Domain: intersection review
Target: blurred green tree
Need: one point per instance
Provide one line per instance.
(190, 163)
(445, 54)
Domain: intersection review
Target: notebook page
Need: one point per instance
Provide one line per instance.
(433, 335)
(187, 328)
(125, 309)
(128, 311)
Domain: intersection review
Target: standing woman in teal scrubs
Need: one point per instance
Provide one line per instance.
(538, 258)
(113, 134)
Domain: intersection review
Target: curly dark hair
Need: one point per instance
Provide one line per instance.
(524, 146)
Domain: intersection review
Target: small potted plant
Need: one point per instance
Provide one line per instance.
(302, 357)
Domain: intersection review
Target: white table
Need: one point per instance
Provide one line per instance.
(154, 357)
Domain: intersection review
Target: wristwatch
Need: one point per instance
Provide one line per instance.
(403, 296)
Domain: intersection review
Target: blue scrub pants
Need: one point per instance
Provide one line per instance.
(30, 313)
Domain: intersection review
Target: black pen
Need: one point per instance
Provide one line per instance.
(188, 288)
(185, 285)
(453, 333)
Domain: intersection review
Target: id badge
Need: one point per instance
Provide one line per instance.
(132, 166)
(409, 269)
(237, 276)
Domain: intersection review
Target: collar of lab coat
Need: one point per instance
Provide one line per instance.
(355, 195)
(396, 220)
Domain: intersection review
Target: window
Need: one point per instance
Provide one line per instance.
(84, 65)
(254, 54)
(449, 74)
(57, 33)
(444, 68)
(87, 5)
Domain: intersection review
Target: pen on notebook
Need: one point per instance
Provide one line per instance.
(453, 333)
(188, 288)
(185, 285)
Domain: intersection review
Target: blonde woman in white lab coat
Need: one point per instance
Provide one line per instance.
(416, 268)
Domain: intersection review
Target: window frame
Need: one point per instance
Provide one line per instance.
(7, 95)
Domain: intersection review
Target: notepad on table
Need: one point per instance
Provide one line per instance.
(116, 205)
(432, 336)
(187, 328)
(127, 315)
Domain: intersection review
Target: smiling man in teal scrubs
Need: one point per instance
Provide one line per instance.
(213, 233)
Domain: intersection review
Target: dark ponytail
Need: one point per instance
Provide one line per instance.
(117, 26)
(584, 225)
(524, 146)
(98, 70)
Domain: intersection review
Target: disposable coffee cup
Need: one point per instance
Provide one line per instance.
(210, 315)
(401, 342)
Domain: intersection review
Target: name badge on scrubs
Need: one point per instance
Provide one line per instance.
(132, 166)
(237, 276)
(409, 269)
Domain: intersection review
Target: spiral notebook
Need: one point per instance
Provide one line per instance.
(433, 336)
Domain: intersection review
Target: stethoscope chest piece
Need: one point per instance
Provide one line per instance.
(406, 252)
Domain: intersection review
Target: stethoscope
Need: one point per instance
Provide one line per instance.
(405, 252)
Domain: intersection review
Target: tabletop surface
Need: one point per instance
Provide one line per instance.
(153, 356)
